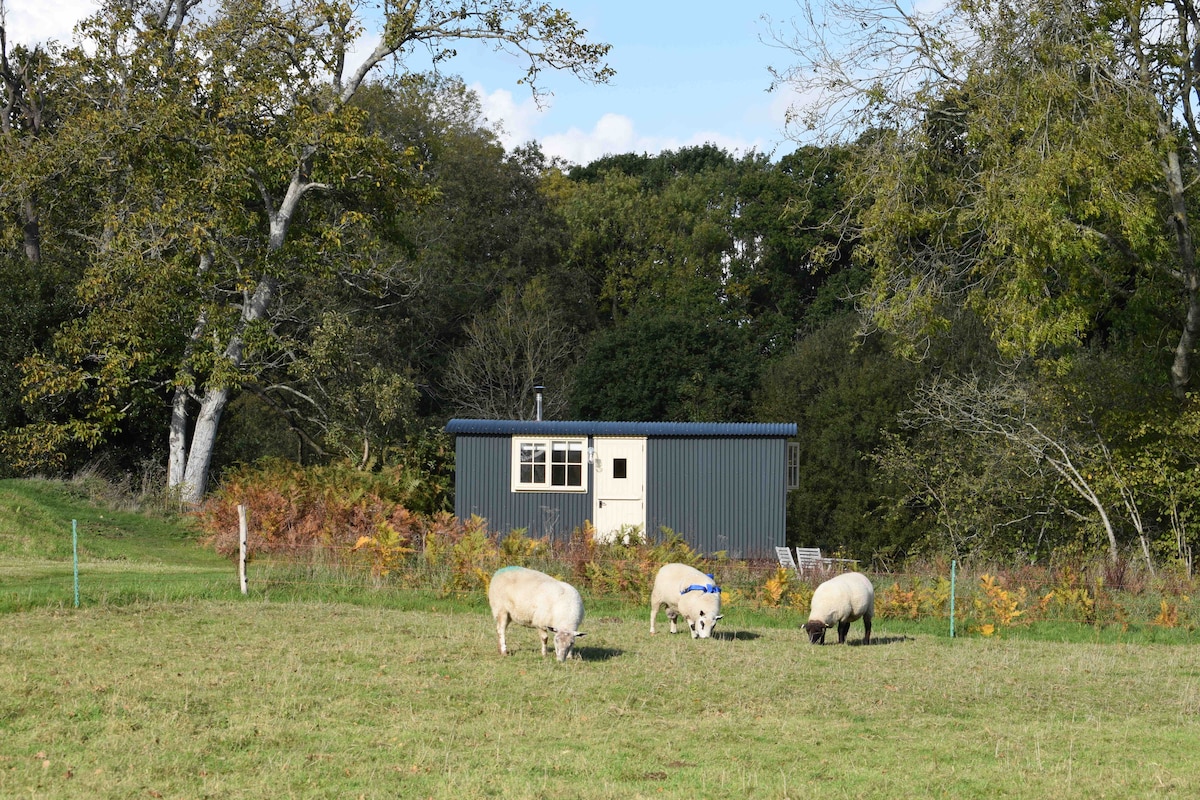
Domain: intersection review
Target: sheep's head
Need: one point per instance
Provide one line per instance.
(702, 626)
(816, 631)
(700, 605)
(563, 642)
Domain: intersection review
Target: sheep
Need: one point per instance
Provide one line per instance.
(536, 600)
(686, 592)
(840, 601)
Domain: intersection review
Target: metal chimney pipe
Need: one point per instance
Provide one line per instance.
(538, 409)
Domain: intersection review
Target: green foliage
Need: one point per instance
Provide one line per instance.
(524, 341)
(729, 238)
(845, 394)
(367, 409)
(667, 366)
(1048, 218)
(429, 456)
(228, 185)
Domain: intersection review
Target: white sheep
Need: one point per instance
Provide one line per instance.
(536, 600)
(841, 600)
(686, 592)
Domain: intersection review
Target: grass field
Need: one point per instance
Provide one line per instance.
(250, 700)
(405, 696)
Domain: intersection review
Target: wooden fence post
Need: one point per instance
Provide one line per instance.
(242, 530)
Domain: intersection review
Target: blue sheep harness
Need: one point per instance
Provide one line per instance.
(711, 588)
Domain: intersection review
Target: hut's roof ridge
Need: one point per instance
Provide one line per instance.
(517, 427)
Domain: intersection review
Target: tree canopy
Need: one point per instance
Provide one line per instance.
(973, 286)
(228, 165)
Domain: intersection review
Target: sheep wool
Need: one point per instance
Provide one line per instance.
(840, 601)
(536, 600)
(686, 591)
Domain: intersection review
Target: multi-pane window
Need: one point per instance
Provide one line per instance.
(566, 463)
(533, 463)
(793, 465)
(549, 465)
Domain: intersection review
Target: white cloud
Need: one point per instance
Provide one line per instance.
(30, 23)
(520, 120)
(514, 122)
(615, 133)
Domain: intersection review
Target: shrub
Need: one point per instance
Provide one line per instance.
(341, 516)
(295, 509)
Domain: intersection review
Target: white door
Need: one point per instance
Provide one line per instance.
(619, 485)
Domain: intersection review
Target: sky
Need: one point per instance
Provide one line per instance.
(688, 72)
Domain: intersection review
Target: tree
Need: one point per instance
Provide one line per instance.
(667, 365)
(1006, 411)
(232, 162)
(23, 119)
(1028, 160)
(488, 228)
(845, 396)
(521, 343)
(39, 263)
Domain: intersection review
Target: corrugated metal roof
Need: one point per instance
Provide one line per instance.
(517, 427)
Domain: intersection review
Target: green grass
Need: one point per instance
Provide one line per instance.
(167, 683)
(123, 556)
(255, 699)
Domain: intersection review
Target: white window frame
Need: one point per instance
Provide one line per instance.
(533, 479)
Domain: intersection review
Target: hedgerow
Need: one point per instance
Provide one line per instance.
(362, 520)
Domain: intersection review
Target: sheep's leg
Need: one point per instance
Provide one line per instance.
(866, 630)
(545, 638)
(501, 626)
(843, 629)
(654, 609)
(673, 615)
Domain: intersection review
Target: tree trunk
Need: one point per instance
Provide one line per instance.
(177, 440)
(177, 436)
(31, 232)
(1181, 370)
(193, 482)
(204, 439)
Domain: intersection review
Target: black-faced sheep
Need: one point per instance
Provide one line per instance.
(536, 600)
(840, 601)
(686, 592)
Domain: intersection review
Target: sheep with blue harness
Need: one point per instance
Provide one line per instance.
(686, 592)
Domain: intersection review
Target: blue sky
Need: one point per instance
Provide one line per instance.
(687, 73)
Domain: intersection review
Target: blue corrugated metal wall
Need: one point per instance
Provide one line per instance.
(719, 493)
(483, 487)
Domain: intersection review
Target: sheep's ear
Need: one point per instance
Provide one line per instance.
(719, 616)
(579, 635)
(552, 630)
